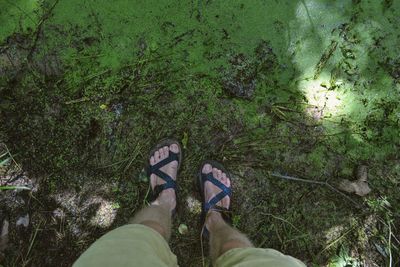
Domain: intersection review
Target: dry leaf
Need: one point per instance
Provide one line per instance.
(360, 186)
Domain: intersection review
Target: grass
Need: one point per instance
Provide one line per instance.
(14, 187)
(86, 95)
(6, 158)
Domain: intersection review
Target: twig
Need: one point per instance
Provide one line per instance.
(135, 154)
(163, 82)
(283, 220)
(315, 182)
(336, 240)
(147, 194)
(33, 240)
(296, 179)
(390, 244)
(39, 28)
(79, 100)
(202, 248)
(7, 152)
(324, 59)
(113, 164)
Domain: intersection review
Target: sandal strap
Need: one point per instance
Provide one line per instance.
(226, 216)
(169, 182)
(225, 191)
(226, 213)
(171, 157)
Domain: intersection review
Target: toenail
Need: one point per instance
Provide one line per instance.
(207, 168)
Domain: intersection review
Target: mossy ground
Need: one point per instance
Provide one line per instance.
(302, 88)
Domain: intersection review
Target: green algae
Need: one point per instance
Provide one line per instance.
(17, 16)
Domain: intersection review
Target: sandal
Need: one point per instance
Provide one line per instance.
(211, 205)
(155, 169)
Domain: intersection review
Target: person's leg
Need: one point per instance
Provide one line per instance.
(222, 236)
(229, 247)
(158, 215)
(142, 242)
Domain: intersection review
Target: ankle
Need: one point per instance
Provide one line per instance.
(157, 227)
(213, 220)
(166, 199)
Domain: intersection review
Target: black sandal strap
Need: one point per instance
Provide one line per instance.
(169, 182)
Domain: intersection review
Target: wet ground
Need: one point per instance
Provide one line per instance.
(273, 89)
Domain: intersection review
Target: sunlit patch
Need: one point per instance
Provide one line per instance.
(333, 233)
(79, 210)
(105, 214)
(320, 97)
(193, 205)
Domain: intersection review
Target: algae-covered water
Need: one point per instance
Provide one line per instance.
(309, 88)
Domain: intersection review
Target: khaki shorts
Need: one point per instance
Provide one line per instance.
(139, 245)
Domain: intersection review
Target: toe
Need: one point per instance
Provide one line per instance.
(215, 172)
(153, 180)
(174, 148)
(219, 174)
(223, 177)
(152, 160)
(227, 181)
(157, 156)
(207, 168)
(161, 151)
(166, 151)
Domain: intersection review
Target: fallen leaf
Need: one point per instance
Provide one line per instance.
(358, 187)
(185, 140)
(183, 229)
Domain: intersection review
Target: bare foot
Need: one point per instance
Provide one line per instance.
(167, 197)
(211, 190)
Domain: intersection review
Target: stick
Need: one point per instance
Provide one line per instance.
(283, 220)
(315, 182)
(296, 179)
(390, 245)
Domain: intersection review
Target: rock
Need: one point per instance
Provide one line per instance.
(23, 220)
